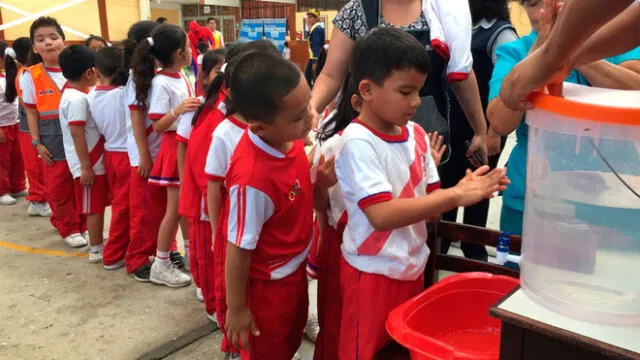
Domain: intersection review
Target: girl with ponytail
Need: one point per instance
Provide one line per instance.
(167, 95)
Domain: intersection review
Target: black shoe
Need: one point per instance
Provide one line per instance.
(142, 274)
(177, 260)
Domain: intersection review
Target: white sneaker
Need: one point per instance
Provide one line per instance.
(39, 209)
(169, 276)
(199, 295)
(75, 241)
(85, 235)
(232, 356)
(115, 266)
(212, 318)
(22, 193)
(95, 257)
(7, 199)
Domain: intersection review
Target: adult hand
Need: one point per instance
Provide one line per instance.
(479, 146)
(493, 144)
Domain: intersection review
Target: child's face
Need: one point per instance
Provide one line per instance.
(183, 57)
(397, 100)
(48, 44)
(294, 122)
(212, 75)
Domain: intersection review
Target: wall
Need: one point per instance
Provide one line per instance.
(172, 12)
(519, 19)
(121, 14)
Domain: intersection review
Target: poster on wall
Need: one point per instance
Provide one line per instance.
(276, 31)
(251, 29)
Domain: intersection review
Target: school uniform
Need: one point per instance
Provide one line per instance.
(147, 204)
(168, 90)
(42, 91)
(12, 178)
(195, 195)
(224, 140)
(106, 104)
(380, 269)
(33, 164)
(325, 266)
(74, 111)
(270, 213)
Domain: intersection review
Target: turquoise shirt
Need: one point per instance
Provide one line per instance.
(509, 55)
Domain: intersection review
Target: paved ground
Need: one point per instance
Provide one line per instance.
(55, 305)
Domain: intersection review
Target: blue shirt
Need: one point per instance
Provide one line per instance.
(316, 40)
(509, 55)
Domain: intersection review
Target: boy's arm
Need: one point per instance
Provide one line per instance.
(214, 202)
(140, 134)
(239, 318)
(33, 120)
(80, 144)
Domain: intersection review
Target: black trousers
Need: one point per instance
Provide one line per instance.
(308, 73)
(450, 174)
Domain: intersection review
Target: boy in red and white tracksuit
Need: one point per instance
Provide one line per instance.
(106, 103)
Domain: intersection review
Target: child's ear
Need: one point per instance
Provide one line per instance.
(365, 88)
(256, 128)
(33, 49)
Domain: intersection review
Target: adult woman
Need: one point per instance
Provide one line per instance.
(618, 72)
(441, 25)
(491, 28)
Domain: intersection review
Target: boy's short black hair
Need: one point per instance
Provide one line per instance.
(259, 82)
(385, 50)
(75, 60)
(211, 18)
(45, 21)
(203, 46)
(161, 20)
(91, 38)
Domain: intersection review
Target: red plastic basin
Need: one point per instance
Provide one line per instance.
(450, 320)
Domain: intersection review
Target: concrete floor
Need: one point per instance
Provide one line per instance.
(55, 305)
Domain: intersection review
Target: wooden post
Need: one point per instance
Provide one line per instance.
(1, 31)
(102, 13)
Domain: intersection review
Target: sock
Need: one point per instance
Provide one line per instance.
(95, 248)
(162, 258)
(186, 249)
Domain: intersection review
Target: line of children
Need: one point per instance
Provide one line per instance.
(12, 175)
(41, 86)
(83, 143)
(33, 165)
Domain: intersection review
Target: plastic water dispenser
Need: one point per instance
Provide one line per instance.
(581, 241)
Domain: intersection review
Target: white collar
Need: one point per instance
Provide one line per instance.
(264, 146)
(485, 24)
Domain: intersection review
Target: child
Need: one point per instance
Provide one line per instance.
(390, 182)
(34, 166)
(169, 95)
(146, 203)
(41, 91)
(270, 209)
(221, 146)
(106, 103)
(83, 143)
(190, 205)
(203, 47)
(95, 42)
(12, 180)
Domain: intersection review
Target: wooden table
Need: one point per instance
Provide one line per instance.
(533, 332)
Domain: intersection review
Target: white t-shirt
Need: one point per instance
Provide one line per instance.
(223, 142)
(106, 104)
(373, 168)
(74, 111)
(153, 138)
(8, 112)
(199, 59)
(168, 90)
(28, 89)
(184, 124)
(337, 210)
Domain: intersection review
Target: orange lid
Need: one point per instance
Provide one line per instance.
(588, 110)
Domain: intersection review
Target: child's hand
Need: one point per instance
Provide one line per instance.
(437, 147)
(326, 176)
(145, 166)
(45, 154)
(480, 184)
(189, 104)
(87, 176)
(239, 323)
(3, 138)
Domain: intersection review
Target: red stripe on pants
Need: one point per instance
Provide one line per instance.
(329, 296)
(147, 205)
(206, 270)
(34, 167)
(65, 217)
(118, 171)
(279, 308)
(12, 178)
(367, 301)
